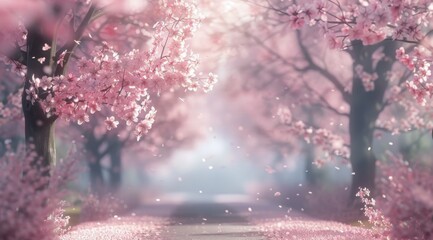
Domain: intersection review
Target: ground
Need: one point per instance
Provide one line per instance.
(214, 221)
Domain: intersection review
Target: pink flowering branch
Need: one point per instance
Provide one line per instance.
(375, 216)
(72, 97)
(403, 205)
(111, 73)
(364, 31)
(343, 22)
(332, 145)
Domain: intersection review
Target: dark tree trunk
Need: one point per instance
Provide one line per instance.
(39, 129)
(361, 156)
(311, 175)
(93, 145)
(365, 108)
(96, 177)
(116, 166)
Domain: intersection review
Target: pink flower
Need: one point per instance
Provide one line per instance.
(61, 59)
(296, 22)
(45, 83)
(111, 123)
(82, 118)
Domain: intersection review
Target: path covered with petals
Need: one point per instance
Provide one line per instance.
(118, 228)
(216, 221)
(306, 229)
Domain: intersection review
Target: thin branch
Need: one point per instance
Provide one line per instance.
(19, 56)
(69, 47)
(325, 103)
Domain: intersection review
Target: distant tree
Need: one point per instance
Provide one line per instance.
(170, 132)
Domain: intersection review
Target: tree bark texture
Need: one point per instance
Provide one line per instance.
(365, 107)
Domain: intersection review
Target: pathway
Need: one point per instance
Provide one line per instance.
(213, 221)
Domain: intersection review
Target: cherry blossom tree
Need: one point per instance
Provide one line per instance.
(360, 97)
(348, 24)
(370, 32)
(66, 80)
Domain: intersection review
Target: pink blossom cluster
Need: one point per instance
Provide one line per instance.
(30, 200)
(331, 144)
(371, 22)
(11, 110)
(376, 217)
(404, 204)
(404, 113)
(123, 82)
(419, 61)
(406, 198)
(17, 68)
(10, 101)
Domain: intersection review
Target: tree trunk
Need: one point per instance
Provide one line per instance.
(116, 166)
(361, 156)
(365, 108)
(93, 145)
(39, 129)
(96, 177)
(311, 175)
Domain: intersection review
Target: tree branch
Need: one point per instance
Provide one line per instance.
(19, 56)
(69, 47)
(329, 76)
